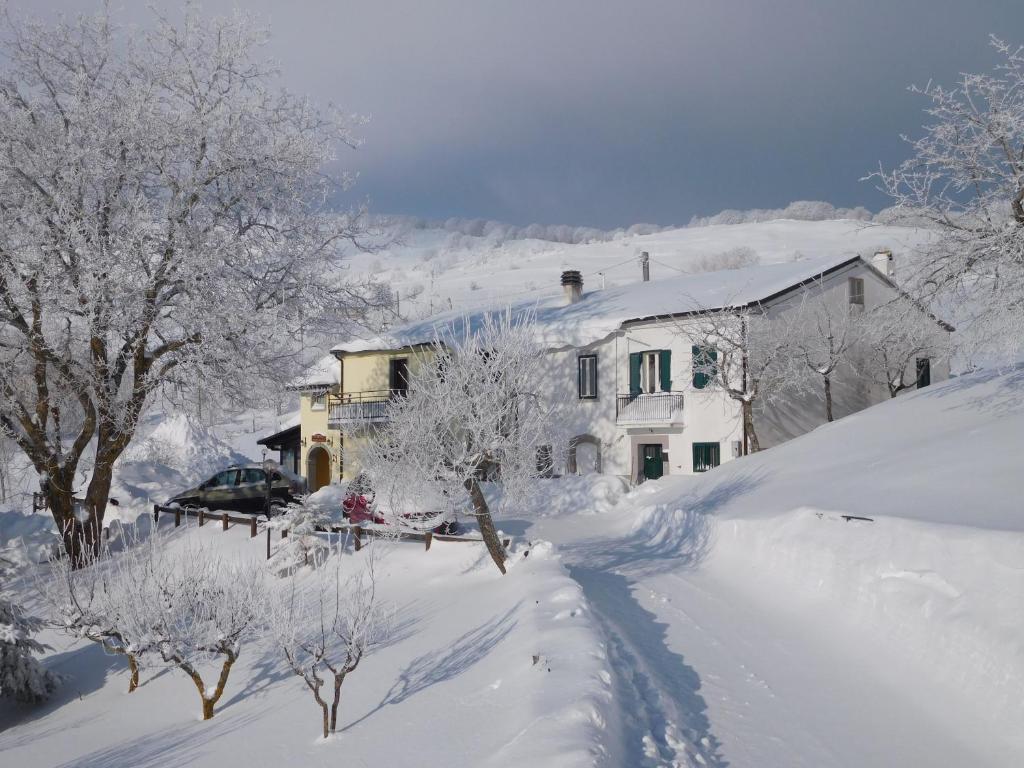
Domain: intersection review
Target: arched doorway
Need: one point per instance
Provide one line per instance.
(318, 468)
(584, 455)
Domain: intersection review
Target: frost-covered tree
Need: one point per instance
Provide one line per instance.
(301, 523)
(895, 336)
(193, 605)
(472, 414)
(87, 599)
(965, 176)
(748, 354)
(325, 624)
(826, 333)
(164, 221)
(22, 677)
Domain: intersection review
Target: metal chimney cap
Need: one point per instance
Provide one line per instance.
(572, 277)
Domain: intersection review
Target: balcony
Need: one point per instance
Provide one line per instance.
(351, 408)
(649, 408)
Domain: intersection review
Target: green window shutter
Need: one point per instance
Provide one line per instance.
(700, 378)
(704, 358)
(634, 373)
(665, 366)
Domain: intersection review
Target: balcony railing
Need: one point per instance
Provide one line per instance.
(649, 408)
(356, 407)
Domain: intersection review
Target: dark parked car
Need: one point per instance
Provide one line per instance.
(241, 489)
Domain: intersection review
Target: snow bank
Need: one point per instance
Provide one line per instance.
(180, 444)
(929, 588)
(484, 670)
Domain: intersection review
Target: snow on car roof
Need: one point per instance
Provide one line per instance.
(601, 312)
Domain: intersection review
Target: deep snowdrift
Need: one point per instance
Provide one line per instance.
(483, 670)
(926, 597)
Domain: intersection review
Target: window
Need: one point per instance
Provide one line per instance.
(253, 476)
(705, 366)
(706, 456)
(399, 376)
(224, 479)
(318, 400)
(924, 372)
(857, 291)
(586, 376)
(650, 372)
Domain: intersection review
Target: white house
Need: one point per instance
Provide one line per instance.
(623, 360)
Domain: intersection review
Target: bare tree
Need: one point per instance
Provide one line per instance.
(87, 601)
(826, 335)
(896, 335)
(325, 628)
(747, 353)
(163, 221)
(473, 414)
(192, 604)
(966, 177)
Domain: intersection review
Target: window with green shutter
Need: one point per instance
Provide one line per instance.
(705, 366)
(706, 456)
(635, 361)
(665, 369)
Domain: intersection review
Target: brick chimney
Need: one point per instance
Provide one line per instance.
(572, 285)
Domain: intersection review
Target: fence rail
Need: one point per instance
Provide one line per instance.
(649, 408)
(351, 407)
(358, 532)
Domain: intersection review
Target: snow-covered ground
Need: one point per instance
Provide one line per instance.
(482, 670)
(735, 618)
(742, 608)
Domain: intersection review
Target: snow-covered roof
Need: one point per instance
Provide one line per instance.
(325, 372)
(601, 312)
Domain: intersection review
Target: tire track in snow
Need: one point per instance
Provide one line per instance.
(658, 696)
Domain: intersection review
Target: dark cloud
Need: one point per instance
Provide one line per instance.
(605, 113)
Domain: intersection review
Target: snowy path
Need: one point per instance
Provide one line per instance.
(710, 672)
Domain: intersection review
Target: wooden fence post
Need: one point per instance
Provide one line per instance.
(268, 543)
(428, 538)
(358, 539)
(202, 516)
(224, 520)
(284, 533)
(177, 516)
(156, 513)
(252, 527)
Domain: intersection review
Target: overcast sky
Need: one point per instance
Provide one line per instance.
(605, 113)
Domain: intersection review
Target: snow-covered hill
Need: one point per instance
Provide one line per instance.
(434, 270)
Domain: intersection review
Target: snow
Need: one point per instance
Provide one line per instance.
(485, 670)
(323, 373)
(601, 312)
(749, 612)
(433, 272)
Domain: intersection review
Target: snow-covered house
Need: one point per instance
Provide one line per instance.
(623, 358)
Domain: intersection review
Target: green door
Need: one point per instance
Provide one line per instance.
(653, 466)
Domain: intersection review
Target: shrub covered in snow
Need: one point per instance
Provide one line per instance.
(22, 677)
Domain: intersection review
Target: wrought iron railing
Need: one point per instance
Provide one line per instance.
(648, 408)
(354, 407)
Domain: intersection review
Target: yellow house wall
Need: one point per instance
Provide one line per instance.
(362, 372)
(370, 371)
(314, 422)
